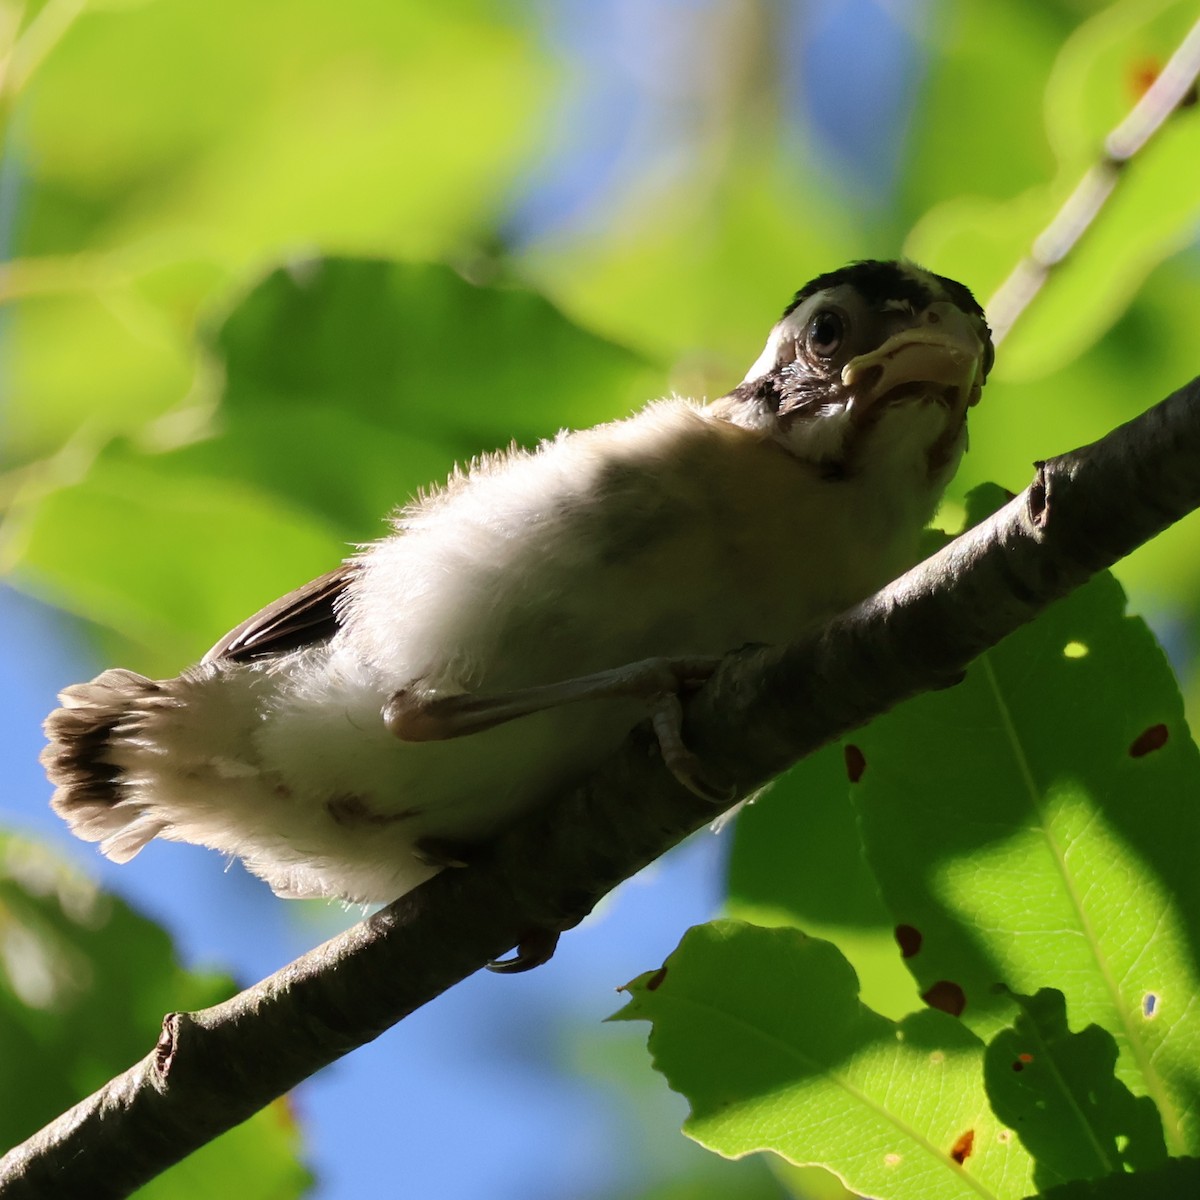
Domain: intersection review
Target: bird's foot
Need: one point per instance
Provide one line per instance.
(448, 852)
(535, 948)
(416, 717)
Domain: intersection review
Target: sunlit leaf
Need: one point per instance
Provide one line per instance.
(1035, 826)
(763, 1031)
(797, 859)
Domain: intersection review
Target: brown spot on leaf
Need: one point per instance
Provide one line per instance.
(961, 1149)
(655, 980)
(856, 763)
(947, 996)
(1020, 1062)
(908, 938)
(1149, 740)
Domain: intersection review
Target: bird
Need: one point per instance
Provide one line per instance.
(516, 623)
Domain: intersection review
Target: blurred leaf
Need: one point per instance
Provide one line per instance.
(84, 984)
(169, 560)
(167, 149)
(979, 129)
(286, 122)
(1151, 214)
(701, 274)
(1057, 1090)
(415, 347)
(98, 361)
(1036, 825)
(763, 1032)
(723, 1181)
(613, 1057)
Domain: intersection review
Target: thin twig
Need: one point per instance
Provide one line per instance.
(765, 708)
(1165, 95)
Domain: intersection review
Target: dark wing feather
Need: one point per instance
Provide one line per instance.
(305, 617)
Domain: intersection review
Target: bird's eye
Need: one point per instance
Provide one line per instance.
(825, 332)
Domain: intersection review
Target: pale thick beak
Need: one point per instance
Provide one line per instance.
(941, 359)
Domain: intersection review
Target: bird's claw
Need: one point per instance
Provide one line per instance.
(535, 948)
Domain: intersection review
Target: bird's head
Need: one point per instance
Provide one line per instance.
(876, 363)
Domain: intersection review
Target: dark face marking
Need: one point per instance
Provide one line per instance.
(766, 392)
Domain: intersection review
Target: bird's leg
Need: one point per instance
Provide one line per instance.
(657, 682)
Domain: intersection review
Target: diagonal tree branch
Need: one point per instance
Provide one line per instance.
(764, 709)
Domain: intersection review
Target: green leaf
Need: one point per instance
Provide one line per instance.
(168, 560)
(699, 276)
(763, 1031)
(166, 150)
(415, 347)
(1178, 1177)
(125, 367)
(84, 984)
(1036, 826)
(961, 141)
(1150, 215)
(1057, 1090)
(797, 859)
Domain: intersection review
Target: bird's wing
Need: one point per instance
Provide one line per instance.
(305, 617)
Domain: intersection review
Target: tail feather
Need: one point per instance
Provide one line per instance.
(79, 760)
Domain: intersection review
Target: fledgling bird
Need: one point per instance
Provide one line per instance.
(515, 625)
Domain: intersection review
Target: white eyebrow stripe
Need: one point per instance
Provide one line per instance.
(904, 306)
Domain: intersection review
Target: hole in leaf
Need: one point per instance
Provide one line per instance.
(1075, 650)
(947, 996)
(856, 763)
(962, 1148)
(1150, 1005)
(908, 939)
(1149, 740)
